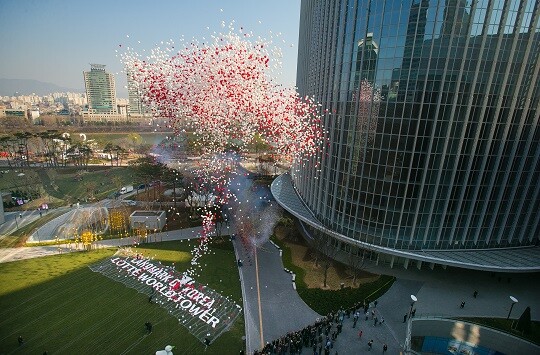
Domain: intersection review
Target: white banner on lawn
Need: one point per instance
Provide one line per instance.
(204, 312)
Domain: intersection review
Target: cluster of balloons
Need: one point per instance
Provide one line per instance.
(225, 93)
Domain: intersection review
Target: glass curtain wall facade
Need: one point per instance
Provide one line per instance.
(431, 109)
(100, 90)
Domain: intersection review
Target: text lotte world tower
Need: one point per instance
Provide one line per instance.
(431, 111)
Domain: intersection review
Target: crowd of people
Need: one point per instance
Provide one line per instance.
(321, 336)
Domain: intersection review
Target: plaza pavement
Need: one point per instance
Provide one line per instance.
(439, 293)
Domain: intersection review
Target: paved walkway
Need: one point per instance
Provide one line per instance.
(282, 310)
(18, 219)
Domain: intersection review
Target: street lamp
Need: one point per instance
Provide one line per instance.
(514, 301)
(409, 325)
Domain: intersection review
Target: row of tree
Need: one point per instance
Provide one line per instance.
(54, 149)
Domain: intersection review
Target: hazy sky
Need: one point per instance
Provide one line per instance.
(55, 40)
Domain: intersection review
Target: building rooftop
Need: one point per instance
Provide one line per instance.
(147, 213)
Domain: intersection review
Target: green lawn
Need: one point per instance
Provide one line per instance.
(105, 181)
(67, 184)
(116, 138)
(58, 304)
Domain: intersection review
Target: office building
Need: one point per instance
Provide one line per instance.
(431, 109)
(101, 96)
(100, 90)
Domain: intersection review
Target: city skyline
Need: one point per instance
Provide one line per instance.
(53, 41)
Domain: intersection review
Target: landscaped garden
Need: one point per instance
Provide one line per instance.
(342, 290)
(57, 304)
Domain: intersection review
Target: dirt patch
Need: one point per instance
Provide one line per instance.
(305, 257)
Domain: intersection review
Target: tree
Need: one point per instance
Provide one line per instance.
(325, 252)
(86, 153)
(22, 141)
(87, 238)
(199, 192)
(355, 262)
(147, 169)
(73, 153)
(173, 177)
(524, 322)
(51, 140)
(7, 143)
(121, 154)
(218, 217)
(65, 144)
(108, 149)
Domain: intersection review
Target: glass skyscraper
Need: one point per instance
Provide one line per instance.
(431, 111)
(100, 90)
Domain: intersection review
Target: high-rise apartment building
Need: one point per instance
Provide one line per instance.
(100, 91)
(431, 109)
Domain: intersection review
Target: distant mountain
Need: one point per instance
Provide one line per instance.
(8, 87)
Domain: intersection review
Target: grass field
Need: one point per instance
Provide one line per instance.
(115, 138)
(68, 184)
(57, 304)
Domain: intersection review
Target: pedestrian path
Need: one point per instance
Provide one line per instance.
(281, 309)
(16, 220)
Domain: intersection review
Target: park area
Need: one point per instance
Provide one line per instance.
(57, 304)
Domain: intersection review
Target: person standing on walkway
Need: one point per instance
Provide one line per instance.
(462, 304)
(375, 303)
(355, 319)
(384, 348)
(475, 294)
(360, 334)
(370, 344)
(20, 340)
(375, 321)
